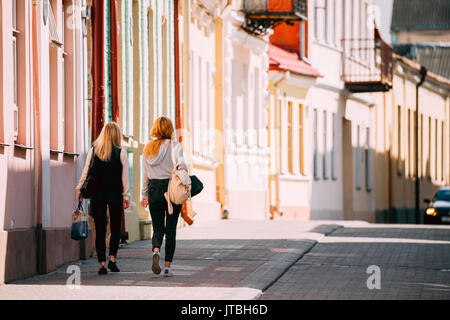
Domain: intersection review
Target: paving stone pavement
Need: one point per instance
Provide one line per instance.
(231, 268)
(225, 260)
(414, 264)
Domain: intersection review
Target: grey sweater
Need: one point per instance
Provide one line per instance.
(161, 166)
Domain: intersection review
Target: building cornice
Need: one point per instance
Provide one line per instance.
(292, 79)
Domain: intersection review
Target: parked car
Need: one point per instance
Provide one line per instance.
(438, 211)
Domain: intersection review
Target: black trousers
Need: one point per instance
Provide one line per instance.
(99, 204)
(163, 222)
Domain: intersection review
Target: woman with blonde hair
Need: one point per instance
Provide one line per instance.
(111, 189)
(159, 155)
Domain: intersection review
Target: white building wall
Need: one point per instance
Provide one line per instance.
(245, 108)
(201, 127)
(330, 22)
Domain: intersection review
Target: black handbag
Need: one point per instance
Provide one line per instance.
(87, 189)
(196, 186)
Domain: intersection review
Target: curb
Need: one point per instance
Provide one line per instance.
(267, 274)
(326, 229)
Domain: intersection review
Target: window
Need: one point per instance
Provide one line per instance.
(15, 83)
(358, 158)
(331, 16)
(368, 160)
(399, 140)
(15, 32)
(301, 138)
(333, 147)
(165, 66)
(316, 156)
(207, 112)
(58, 66)
(429, 150)
(193, 101)
(442, 195)
(327, 23)
(413, 146)
(324, 131)
(128, 76)
(409, 143)
(151, 69)
(290, 138)
(245, 97)
(303, 39)
(436, 149)
(421, 151)
(257, 108)
(442, 151)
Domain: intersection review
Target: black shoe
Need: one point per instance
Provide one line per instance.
(155, 266)
(113, 267)
(102, 271)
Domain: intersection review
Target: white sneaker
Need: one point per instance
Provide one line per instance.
(168, 272)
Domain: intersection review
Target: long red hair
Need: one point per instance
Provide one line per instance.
(162, 129)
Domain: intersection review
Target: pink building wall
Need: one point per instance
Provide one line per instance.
(61, 159)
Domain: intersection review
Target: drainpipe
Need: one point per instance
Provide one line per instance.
(98, 88)
(114, 62)
(39, 231)
(178, 122)
(423, 74)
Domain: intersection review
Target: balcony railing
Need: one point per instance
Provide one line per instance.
(367, 64)
(262, 15)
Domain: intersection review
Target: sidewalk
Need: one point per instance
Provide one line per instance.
(218, 260)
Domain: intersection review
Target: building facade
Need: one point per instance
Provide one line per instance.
(42, 133)
(199, 25)
(245, 118)
(396, 142)
(290, 143)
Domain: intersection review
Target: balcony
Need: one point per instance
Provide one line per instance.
(262, 15)
(367, 64)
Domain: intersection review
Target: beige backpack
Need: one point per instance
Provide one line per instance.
(179, 189)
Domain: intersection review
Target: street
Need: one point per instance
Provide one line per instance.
(267, 260)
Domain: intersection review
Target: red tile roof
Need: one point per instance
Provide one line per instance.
(280, 59)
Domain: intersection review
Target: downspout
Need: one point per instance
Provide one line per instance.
(39, 231)
(423, 74)
(98, 89)
(178, 122)
(114, 62)
(115, 105)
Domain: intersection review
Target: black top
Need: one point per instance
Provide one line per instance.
(107, 175)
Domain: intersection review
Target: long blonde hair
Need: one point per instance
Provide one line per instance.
(162, 129)
(110, 135)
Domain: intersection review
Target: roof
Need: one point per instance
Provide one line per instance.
(421, 15)
(434, 57)
(280, 59)
(416, 66)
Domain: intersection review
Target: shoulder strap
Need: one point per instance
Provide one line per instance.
(91, 163)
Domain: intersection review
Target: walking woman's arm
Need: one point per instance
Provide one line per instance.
(179, 157)
(85, 171)
(125, 175)
(145, 180)
(144, 193)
